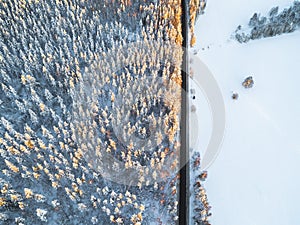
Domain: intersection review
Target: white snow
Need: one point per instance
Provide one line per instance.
(255, 178)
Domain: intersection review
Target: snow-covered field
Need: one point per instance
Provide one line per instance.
(255, 178)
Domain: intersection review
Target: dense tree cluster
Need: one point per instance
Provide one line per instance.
(196, 8)
(199, 202)
(275, 23)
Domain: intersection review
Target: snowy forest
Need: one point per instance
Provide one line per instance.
(90, 100)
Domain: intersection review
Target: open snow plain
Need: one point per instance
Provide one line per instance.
(255, 178)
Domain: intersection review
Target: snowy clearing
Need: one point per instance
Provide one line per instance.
(255, 179)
